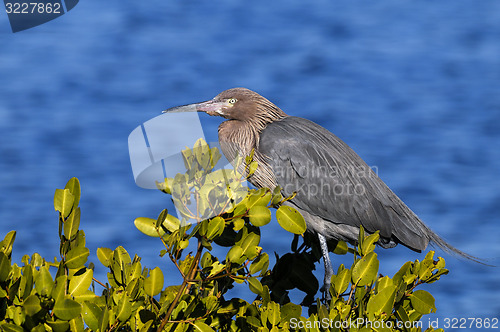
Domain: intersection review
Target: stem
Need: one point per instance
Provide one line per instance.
(100, 283)
(353, 287)
(184, 287)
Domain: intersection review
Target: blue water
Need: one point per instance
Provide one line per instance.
(413, 87)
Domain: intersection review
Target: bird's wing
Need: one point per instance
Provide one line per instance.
(331, 181)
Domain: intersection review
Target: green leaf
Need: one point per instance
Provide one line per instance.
(124, 308)
(260, 264)
(7, 243)
(259, 215)
(91, 315)
(369, 243)
(63, 201)
(255, 285)
(249, 245)
(273, 313)
(104, 320)
(252, 167)
(423, 302)
(76, 257)
(253, 321)
(87, 295)
(59, 291)
(9, 327)
(148, 226)
(171, 223)
(31, 305)
(426, 266)
(67, 309)
(290, 219)
(5, 267)
(277, 197)
(215, 227)
(340, 248)
(216, 268)
(183, 244)
(381, 302)
(80, 283)
(202, 327)
(76, 324)
(383, 283)
(341, 281)
(238, 224)
(105, 255)
(289, 311)
(365, 270)
(234, 255)
(44, 282)
(72, 223)
(206, 260)
(28, 278)
(260, 197)
(73, 185)
(154, 283)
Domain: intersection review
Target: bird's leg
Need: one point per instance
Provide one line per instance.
(328, 268)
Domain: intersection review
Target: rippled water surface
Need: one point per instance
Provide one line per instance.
(413, 87)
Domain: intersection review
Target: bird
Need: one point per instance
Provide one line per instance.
(334, 188)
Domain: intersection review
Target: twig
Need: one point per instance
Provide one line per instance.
(100, 283)
(182, 288)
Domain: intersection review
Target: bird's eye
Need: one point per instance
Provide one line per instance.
(232, 101)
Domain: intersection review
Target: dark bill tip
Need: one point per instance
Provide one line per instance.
(182, 109)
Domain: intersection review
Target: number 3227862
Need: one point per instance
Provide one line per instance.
(33, 8)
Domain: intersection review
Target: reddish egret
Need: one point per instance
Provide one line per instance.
(336, 191)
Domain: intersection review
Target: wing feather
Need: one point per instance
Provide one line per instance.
(333, 183)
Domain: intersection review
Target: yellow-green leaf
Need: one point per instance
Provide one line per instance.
(234, 255)
(215, 227)
(76, 257)
(273, 313)
(202, 327)
(365, 270)
(171, 223)
(105, 255)
(78, 284)
(255, 285)
(259, 215)
(63, 201)
(7, 243)
(260, 264)
(44, 282)
(67, 309)
(72, 223)
(148, 226)
(423, 302)
(154, 283)
(31, 305)
(91, 315)
(124, 308)
(341, 281)
(73, 185)
(382, 302)
(5, 267)
(290, 219)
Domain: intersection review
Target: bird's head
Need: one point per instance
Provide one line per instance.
(235, 104)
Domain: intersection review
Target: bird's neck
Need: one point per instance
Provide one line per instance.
(237, 138)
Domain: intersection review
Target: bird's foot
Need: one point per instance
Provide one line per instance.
(325, 290)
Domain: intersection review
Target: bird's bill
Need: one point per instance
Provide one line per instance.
(211, 107)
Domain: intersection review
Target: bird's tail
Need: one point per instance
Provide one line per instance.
(436, 240)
